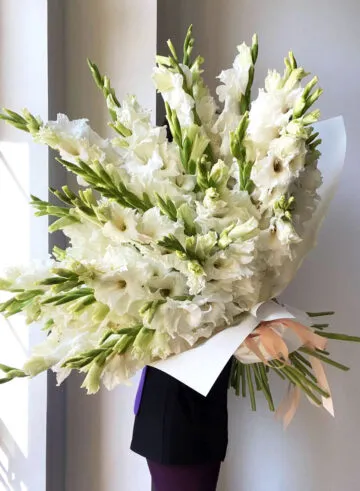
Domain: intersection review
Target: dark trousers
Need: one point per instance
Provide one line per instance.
(199, 477)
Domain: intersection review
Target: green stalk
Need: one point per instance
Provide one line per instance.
(320, 326)
(243, 380)
(256, 377)
(319, 314)
(251, 387)
(232, 372)
(263, 380)
(297, 364)
(300, 381)
(301, 358)
(339, 336)
(324, 358)
(277, 371)
(314, 385)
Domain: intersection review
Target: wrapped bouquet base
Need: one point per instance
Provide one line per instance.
(175, 241)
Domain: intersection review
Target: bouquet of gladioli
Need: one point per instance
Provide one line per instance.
(174, 240)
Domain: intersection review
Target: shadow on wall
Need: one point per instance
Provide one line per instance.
(13, 463)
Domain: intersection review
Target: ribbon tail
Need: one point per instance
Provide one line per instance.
(289, 405)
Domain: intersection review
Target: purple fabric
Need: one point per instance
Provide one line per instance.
(201, 477)
(139, 391)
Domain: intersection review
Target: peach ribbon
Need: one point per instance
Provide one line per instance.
(267, 335)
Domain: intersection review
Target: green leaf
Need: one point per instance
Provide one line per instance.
(171, 243)
(167, 206)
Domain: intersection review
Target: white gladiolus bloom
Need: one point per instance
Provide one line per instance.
(178, 319)
(131, 112)
(122, 224)
(88, 241)
(272, 110)
(120, 291)
(171, 87)
(231, 263)
(118, 371)
(153, 226)
(235, 79)
(270, 172)
(26, 276)
(172, 284)
(75, 140)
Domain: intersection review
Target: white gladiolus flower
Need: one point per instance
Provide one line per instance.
(153, 226)
(75, 140)
(235, 79)
(88, 241)
(231, 263)
(131, 112)
(270, 172)
(171, 87)
(285, 232)
(271, 111)
(118, 371)
(122, 224)
(206, 108)
(142, 144)
(172, 284)
(178, 319)
(120, 291)
(24, 277)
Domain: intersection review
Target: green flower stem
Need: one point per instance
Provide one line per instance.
(262, 378)
(256, 377)
(320, 326)
(313, 385)
(320, 314)
(239, 371)
(324, 358)
(301, 358)
(339, 336)
(251, 387)
(265, 379)
(277, 371)
(322, 351)
(297, 379)
(303, 368)
(243, 380)
(233, 373)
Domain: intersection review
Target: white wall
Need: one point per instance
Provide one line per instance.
(120, 36)
(316, 453)
(23, 170)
